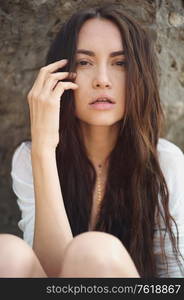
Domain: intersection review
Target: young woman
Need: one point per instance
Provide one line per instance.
(97, 184)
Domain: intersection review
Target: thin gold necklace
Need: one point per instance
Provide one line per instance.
(99, 185)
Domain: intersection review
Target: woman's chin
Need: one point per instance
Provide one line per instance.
(100, 123)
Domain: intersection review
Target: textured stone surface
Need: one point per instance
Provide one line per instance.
(27, 29)
(170, 47)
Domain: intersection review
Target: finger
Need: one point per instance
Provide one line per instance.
(61, 87)
(62, 75)
(55, 65)
(44, 71)
(53, 79)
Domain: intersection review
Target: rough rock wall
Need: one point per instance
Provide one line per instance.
(26, 31)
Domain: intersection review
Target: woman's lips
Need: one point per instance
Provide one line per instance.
(102, 105)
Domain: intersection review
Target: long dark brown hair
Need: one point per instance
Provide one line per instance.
(130, 208)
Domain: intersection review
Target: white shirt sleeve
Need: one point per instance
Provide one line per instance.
(22, 184)
(171, 160)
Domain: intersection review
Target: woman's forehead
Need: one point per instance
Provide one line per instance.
(100, 32)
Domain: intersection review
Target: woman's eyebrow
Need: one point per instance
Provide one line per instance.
(91, 53)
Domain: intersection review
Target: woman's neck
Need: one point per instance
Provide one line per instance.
(99, 142)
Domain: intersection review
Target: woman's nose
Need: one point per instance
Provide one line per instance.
(101, 80)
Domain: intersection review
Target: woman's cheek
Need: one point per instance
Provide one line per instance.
(82, 78)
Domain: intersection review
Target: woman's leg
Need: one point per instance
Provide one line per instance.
(97, 254)
(17, 259)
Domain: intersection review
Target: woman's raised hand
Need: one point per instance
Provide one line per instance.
(44, 104)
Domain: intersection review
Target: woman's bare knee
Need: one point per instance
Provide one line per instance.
(97, 254)
(17, 259)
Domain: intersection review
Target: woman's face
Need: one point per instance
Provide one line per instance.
(100, 74)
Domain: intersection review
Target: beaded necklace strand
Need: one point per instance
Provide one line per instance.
(99, 185)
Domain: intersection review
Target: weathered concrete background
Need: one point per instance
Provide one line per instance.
(26, 31)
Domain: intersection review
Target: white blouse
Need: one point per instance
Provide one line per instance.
(171, 160)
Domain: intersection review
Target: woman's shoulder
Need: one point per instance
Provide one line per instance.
(169, 148)
(24, 145)
(22, 153)
(21, 162)
(169, 154)
(171, 159)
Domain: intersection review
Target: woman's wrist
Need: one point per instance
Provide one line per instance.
(44, 150)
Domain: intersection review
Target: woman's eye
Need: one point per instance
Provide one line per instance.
(85, 63)
(82, 63)
(121, 63)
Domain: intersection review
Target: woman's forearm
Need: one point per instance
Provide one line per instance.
(52, 229)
